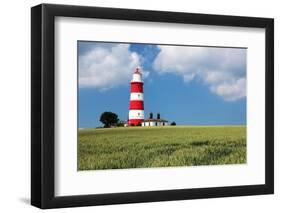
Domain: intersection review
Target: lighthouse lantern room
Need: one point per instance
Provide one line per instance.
(136, 109)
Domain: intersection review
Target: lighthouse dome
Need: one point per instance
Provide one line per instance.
(137, 77)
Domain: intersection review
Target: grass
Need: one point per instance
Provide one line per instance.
(142, 147)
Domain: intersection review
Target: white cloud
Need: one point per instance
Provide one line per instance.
(231, 91)
(222, 69)
(108, 66)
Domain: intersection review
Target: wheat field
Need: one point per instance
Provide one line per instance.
(170, 146)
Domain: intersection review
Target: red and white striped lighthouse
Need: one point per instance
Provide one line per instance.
(136, 110)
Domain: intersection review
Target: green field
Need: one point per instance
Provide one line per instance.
(142, 147)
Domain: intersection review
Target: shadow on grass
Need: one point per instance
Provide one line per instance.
(200, 143)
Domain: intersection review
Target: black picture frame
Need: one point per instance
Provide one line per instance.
(43, 102)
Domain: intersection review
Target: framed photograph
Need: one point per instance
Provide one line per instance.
(139, 106)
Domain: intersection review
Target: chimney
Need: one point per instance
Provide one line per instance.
(151, 115)
(158, 115)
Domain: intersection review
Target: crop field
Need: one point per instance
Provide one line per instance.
(142, 147)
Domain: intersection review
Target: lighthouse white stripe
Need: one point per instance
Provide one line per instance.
(136, 78)
(136, 96)
(136, 114)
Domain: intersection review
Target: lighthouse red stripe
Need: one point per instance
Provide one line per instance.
(135, 121)
(136, 105)
(136, 87)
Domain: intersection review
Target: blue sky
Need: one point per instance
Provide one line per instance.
(188, 85)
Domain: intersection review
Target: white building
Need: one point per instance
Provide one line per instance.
(155, 121)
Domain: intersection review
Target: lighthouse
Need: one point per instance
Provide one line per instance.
(136, 109)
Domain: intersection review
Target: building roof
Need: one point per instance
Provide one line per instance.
(154, 120)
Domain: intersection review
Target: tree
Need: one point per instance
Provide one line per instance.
(109, 119)
(173, 123)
